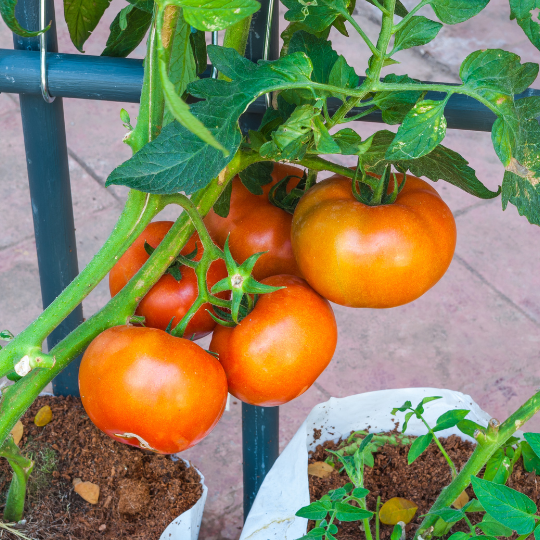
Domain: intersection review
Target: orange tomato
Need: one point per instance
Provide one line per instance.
(168, 298)
(256, 225)
(146, 388)
(277, 352)
(372, 256)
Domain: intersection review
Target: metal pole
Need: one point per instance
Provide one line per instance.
(260, 425)
(50, 191)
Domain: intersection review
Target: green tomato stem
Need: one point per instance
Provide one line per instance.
(487, 444)
(22, 467)
(363, 35)
(443, 451)
(406, 19)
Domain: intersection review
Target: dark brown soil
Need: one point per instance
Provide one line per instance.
(420, 482)
(140, 492)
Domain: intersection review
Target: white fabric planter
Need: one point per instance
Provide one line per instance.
(187, 525)
(286, 489)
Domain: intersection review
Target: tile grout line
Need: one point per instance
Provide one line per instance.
(467, 209)
(322, 390)
(88, 170)
(494, 289)
(14, 243)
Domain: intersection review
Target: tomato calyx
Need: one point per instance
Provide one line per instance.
(375, 192)
(242, 284)
(181, 260)
(288, 200)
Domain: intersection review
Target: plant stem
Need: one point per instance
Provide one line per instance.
(18, 397)
(377, 519)
(406, 19)
(139, 210)
(363, 35)
(22, 467)
(443, 451)
(236, 36)
(486, 446)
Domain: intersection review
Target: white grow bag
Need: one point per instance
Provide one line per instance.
(187, 525)
(286, 489)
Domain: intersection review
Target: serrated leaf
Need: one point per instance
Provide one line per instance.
(422, 130)
(508, 506)
(257, 175)
(315, 510)
(395, 105)
(457, 11)
(492, 527)
(469, 427)
(342, 75)
(121, 42)
(418, 446)
(319, 51)
(182, 64)
(440, 164)
(449, 515)
(177, 160)
(82, 16)
(450, 419)
(145, 5)
(213, 15)
(397, 509)
(315, 15)
(523, 11)
(324, 144)
(528, 107)
(497, 468)
(350, 143)
(417, 31)
(347, 512)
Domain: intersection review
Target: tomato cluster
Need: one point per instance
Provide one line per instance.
(143, 386)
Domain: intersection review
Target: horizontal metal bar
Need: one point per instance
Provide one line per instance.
(120, 79)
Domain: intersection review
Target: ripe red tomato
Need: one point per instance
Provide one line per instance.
(144, 387)
(277, 352)
(372, 256)
(168, 298)
(256, 225)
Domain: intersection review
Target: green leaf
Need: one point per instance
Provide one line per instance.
(528, 107)
(531, 462)
(360, 493)
(506, 505)
(440, 164)
(182, 64)
(449, 515)
(406, 421)
(177, 160)
(82, 16)
(497, 468)
(456, 11)
(198, 46)
(537, 533)
(460, 535)
(492, 527)
(213, 15)
(397, 532)
(346, 512)
(121, 42)
(317, 532)
(222, 206)
(418, 446)
(406, 405)
(417, 31)
(145, 5)
(343, 75)
(257, 175)
(450, 419)
(315, 510)
(534, 441)
(7, 10)
(523, 11)
(396, 105)
(324, 144)
(315, 15)
(469, 427)
(473, 506)
(523, 194)
(422, 130)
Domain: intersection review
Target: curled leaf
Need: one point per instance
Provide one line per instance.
(17, 432)
(397, 509)
(87, 490)
(320, 469)
(44, 416)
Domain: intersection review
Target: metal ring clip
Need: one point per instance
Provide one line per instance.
(266, 48)
(214, 42)
(43, 54)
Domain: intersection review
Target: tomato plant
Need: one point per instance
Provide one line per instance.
(146, 388)
(280, 348)
(171, 297)
(254, 225)
(374, 256)
(368, 237)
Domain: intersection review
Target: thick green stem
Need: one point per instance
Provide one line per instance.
(22, 467)
(486, 446)
(18, 397)
(139, 210)
(236, 36)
